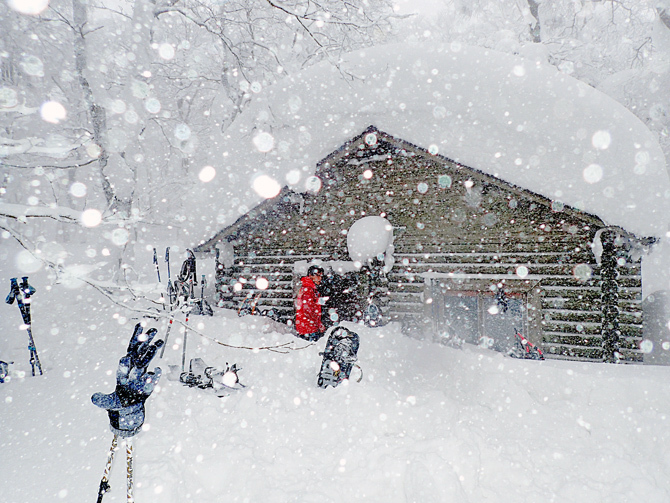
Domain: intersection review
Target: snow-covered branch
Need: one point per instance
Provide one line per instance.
(57, 147)
(73, 165)
(107, 289)
(22, 212)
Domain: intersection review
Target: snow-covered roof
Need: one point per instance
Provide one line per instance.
(517, 119)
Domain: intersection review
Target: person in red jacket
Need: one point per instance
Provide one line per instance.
(307, 308)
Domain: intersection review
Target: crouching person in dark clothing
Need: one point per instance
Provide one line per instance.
(307, 308)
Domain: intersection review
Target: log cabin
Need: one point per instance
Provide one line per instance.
(475, 258)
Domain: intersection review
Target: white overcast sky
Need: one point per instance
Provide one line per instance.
(420, 6)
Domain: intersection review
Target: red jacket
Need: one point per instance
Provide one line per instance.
(308, 309)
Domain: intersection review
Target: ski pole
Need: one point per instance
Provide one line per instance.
(167, 260)
(183, 354)
(22, 296)
(27, 292)
(167, 334)
(129, 469)
(172, 297)
(158, 271)
(104, 482)
(170, 287)
(34, 359)
(203, 283)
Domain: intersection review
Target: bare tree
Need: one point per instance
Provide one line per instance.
(147, 84)
(95, 112)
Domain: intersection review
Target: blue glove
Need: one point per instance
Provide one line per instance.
(125, 406)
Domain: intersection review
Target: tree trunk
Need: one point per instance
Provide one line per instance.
(664, 15)
(535, 29)
(95, 112)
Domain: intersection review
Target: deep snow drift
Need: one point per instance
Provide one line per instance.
(428, 423)
(518, 119)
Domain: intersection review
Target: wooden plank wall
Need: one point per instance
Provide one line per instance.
(570, 316)
(274, 265)
(570, 308)
(448, 218)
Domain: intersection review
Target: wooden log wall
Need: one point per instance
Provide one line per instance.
(447, 219)
(274, 265)
(571, 310)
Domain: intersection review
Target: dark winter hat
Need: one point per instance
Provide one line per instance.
(314, 269)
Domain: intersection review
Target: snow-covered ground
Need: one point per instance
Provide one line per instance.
(427, 423)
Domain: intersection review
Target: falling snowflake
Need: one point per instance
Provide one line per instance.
(53, 112)
(264, 142)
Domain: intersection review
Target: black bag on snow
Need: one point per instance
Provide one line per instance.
(339, 357)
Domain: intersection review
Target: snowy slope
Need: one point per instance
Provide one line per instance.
(514, 118)
(427, 423)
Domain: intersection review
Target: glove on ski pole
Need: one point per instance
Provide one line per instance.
(125, 406)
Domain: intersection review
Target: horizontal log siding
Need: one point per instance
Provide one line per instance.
(447, 219)
(473, 227)
(274, 265)
(571, 316)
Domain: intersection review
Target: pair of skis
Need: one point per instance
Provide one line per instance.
(171, 290)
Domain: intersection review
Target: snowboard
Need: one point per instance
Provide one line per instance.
(339, 357)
